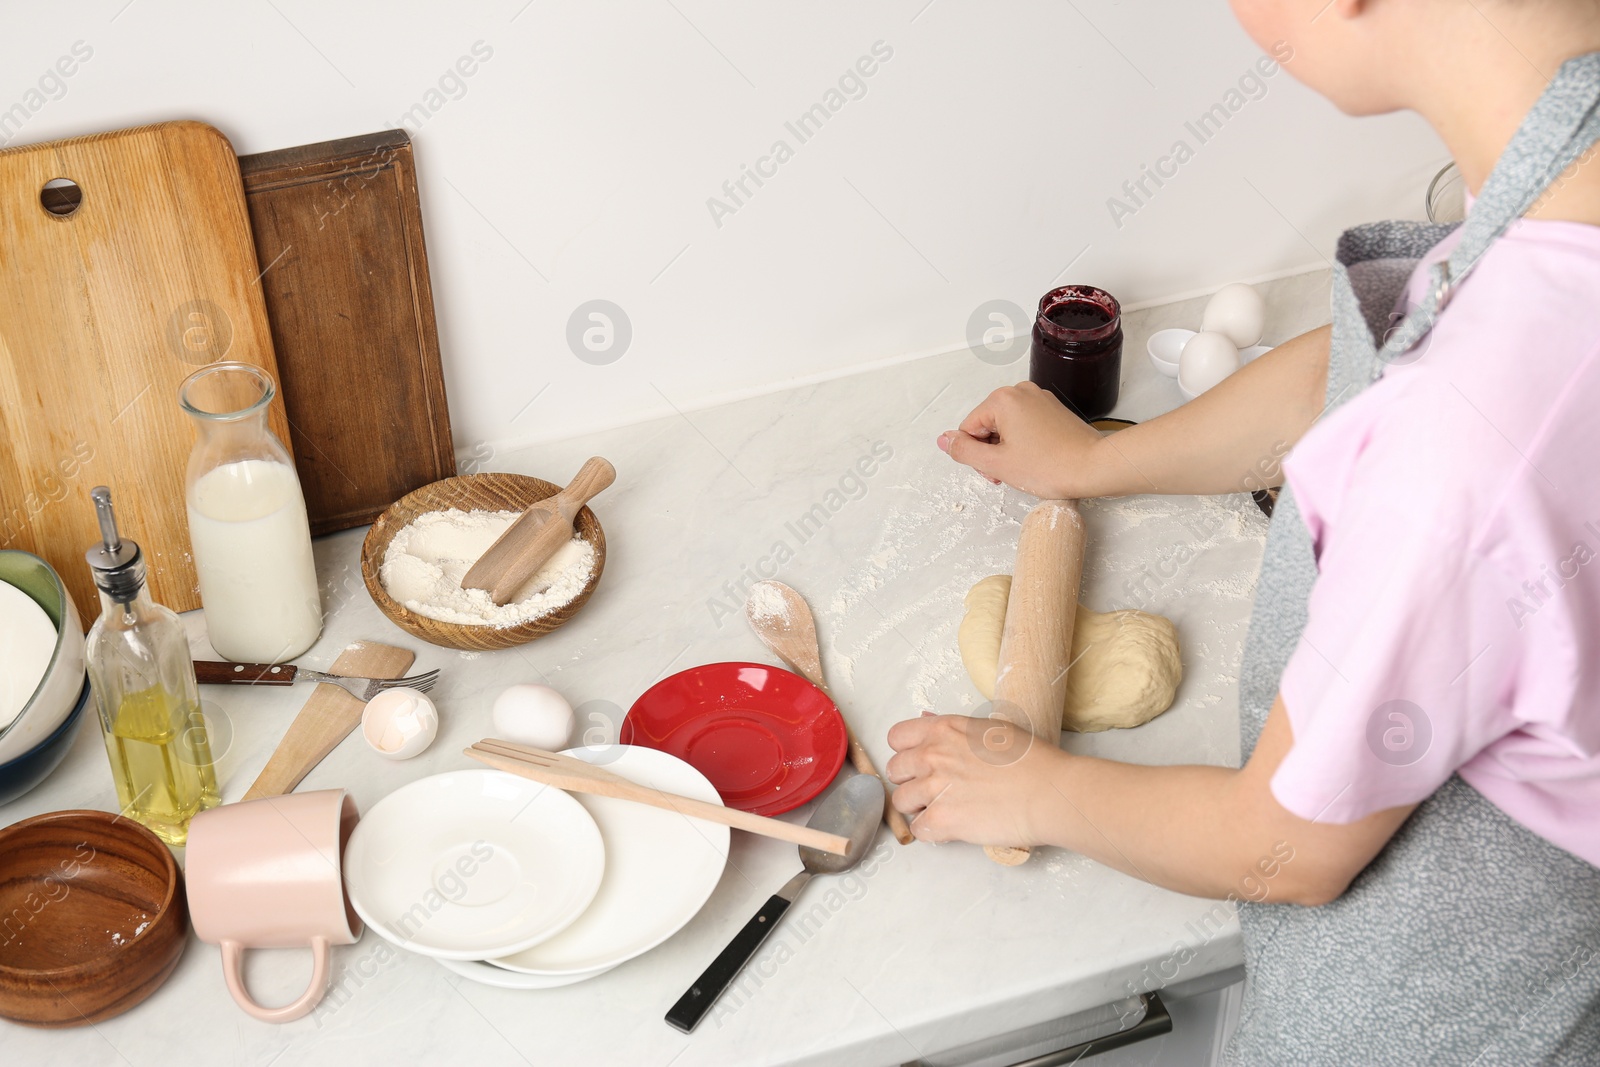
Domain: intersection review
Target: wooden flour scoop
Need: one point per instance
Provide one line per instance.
(541, 531)
(1036, 644)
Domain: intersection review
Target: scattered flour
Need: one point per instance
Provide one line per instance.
(903, 597)
(939, 664)
(426, 561)
(958, 528)
(765, 602)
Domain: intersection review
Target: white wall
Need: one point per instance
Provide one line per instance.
(577, 160)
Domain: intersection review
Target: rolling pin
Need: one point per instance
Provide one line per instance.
(1030, 688)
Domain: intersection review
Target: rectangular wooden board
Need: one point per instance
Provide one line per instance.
(338, 227)
(147, 274)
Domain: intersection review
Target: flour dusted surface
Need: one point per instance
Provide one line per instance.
(765, 603)
(426, 561)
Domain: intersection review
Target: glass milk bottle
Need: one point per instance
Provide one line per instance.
(247, 521)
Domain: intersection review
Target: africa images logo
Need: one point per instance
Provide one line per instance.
(1399, 732)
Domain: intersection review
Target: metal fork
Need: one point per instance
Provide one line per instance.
(212, 672)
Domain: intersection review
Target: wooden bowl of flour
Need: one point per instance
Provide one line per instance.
(473, 492)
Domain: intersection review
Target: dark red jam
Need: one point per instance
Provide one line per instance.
(1077, 349)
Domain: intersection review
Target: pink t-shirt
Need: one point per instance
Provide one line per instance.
(1455, 511)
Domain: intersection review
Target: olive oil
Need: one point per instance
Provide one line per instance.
(161, 761)
(145, 691)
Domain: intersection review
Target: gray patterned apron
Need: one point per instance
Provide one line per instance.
(1468, 939)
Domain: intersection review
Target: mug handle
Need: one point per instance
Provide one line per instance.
(233, 973)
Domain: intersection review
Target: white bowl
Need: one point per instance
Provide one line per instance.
(1165, 343)
(488, 974)
(661, 867)
(1164, 347)
(472, 864)
(57, 693)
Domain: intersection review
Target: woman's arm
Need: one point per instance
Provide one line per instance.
(1206, 831)
(1229, 439)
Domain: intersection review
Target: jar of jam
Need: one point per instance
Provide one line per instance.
(1077, 349)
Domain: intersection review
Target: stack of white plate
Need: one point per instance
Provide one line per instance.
(521, 885)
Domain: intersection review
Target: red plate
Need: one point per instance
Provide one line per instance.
(767, 739)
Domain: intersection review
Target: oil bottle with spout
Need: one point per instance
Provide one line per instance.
(144, 688)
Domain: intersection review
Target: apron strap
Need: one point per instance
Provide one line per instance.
(1559, 128)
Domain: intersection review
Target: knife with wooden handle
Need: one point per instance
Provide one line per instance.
(215, 672)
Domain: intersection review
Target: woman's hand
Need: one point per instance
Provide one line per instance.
(1023, 436)
(980, 780)
(1229, 439)
(1202, 830)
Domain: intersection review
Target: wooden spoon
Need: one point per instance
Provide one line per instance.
(576, 776)
(782, 619)
(530, 541)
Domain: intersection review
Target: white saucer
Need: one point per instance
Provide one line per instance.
(473, 864)
(660, 868)
(1165, 346)
(487, 974)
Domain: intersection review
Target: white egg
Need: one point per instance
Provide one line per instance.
(1237, 311)
(1206, 359)
(533, 715)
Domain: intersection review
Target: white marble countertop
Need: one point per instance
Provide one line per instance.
(937, 946)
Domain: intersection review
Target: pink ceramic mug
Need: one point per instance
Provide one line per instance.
(268, 873)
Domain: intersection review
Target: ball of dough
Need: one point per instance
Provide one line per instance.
(981, 630)
(1125, 664)
(1127, 670)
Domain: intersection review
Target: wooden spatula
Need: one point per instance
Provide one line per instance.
(530, 541)
(576, 776)
(327, 717)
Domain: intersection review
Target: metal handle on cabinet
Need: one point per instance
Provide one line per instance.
(1156, 1022)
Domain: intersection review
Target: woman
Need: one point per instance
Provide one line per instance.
(1420, 697)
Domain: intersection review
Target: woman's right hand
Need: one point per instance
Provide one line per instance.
(1023, 436)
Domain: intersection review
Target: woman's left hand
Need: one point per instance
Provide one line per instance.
(985, 781)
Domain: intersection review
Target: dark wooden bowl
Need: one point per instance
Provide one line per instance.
(472, 492)
(92, 917)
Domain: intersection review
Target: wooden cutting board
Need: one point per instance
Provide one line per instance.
(104, 309)
(338, 226)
